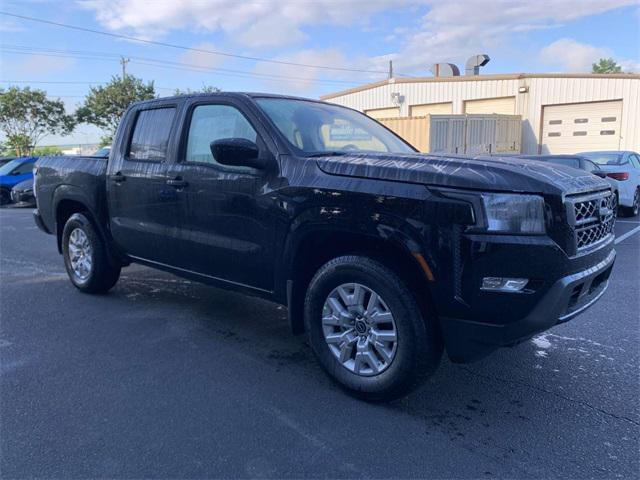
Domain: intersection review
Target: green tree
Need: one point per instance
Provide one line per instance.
(204, 89)
(606, 65)
(48, 150)
(105, 105)
(27, 116)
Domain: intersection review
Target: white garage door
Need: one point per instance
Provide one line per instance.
(503, 105)
(581, 127)
(431, 109)
(384, 112)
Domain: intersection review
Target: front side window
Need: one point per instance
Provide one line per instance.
(215, 122)
(151, 134)
(317, 128)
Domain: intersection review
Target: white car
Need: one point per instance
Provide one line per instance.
(624, 168)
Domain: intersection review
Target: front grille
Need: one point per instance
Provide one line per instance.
(592, 218)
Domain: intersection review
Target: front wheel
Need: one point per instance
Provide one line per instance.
(367, 329)
(5, 196)
(85, 257)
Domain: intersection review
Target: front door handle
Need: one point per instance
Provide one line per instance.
(117, 177)
(177, 182)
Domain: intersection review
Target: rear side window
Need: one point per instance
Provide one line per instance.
(150, 137)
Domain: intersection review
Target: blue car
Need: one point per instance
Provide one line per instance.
(12, 173)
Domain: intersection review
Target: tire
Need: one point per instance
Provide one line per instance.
(401, 365)
(5, 196)
(86, 258)
(635, 208)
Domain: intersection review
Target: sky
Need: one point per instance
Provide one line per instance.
(301, 47)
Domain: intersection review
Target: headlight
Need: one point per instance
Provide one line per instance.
(513, 213)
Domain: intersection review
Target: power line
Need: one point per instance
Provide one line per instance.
(182, 47)
(92, 55)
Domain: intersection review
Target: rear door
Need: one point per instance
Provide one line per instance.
(142, 207)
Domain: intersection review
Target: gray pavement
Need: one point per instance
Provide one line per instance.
(165, 378)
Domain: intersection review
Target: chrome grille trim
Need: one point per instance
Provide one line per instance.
(591, 217)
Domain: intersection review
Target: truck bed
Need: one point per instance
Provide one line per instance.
(82, 178)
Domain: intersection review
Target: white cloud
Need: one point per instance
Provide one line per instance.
(630, 66)
(202, 59)
(255, 24)
(41, 65)
(571, 55)
(10, 26)
(447, 31)
(452, 31)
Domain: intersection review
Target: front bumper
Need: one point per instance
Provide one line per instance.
(23, 197)
(469, 340)
(37, 218)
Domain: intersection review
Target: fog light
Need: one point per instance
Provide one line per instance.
(500, 284)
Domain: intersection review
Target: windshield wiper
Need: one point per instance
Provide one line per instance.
(329, 153)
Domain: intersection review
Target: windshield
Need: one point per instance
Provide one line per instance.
(7, 168)
(604, 158)
(316, 128)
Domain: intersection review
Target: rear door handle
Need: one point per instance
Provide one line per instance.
(117, 177)
(177, 182)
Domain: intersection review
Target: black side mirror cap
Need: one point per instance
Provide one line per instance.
(237, 152)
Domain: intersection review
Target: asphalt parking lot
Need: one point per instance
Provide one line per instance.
(164, 378)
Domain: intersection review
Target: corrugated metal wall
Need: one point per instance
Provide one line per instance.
(541, 91)
(414, 130)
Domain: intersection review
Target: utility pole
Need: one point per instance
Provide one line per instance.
(123, 62)
(390, 69)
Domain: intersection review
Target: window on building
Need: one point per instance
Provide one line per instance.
(215, 122)
(609, 119)
(554, 134)
(150, 137)
(555, 122)
(607, 132)
(581, 120)
(580, 134)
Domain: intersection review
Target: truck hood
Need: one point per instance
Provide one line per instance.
(507, 174)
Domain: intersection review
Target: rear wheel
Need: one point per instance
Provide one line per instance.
(85, 257)
(367, 329)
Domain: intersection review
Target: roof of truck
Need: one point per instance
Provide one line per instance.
(227, 94)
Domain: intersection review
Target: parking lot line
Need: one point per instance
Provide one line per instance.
(627, 235)
(628, 221)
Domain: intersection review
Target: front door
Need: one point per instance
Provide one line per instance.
(142, 207)
(227, 226)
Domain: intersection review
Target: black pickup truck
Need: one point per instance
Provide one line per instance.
(384, 257)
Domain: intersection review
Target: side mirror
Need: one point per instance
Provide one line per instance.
(237, 152)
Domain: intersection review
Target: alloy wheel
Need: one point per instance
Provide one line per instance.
(80, 254)
(359, 329)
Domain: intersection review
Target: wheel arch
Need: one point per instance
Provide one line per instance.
(308, 251)
(69, 201)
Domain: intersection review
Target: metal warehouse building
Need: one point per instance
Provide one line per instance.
(560, 113)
